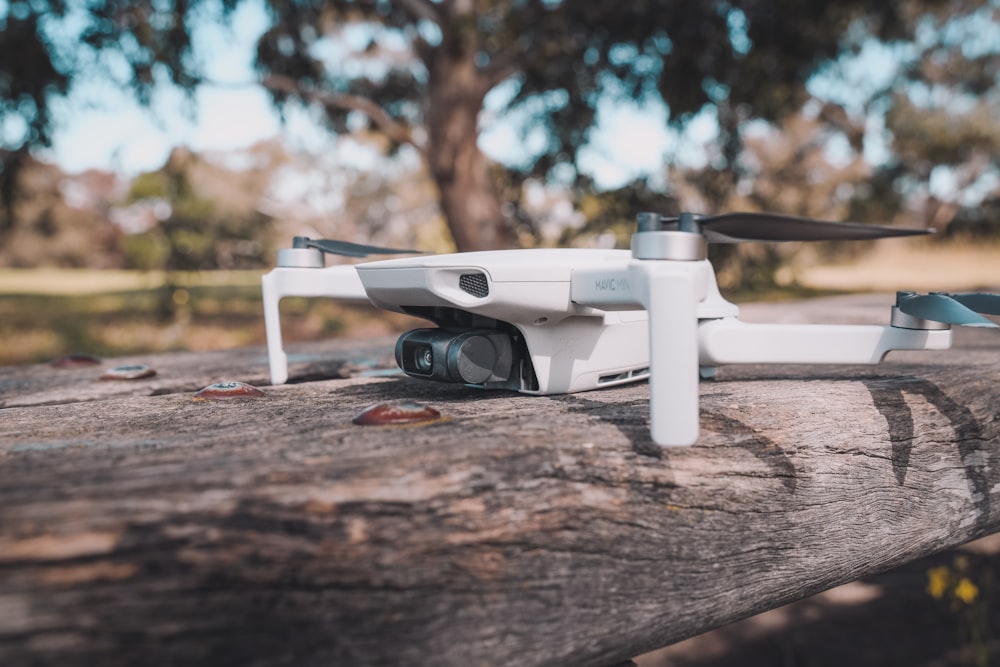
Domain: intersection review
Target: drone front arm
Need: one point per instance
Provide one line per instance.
(339, 282)
(731, 341)
(671, 292)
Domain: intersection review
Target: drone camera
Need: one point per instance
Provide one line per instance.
(475, 357)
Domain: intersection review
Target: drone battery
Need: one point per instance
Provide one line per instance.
(474, 357)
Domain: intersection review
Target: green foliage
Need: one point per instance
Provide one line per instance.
(614, 212)
(418, 71)
(196, 237)
(150, 185)
(967, 587)
(942, 110)
(144, 251)
(31, 70)
(933, 135)
(563, 57)
(201, 231)
(45, 45)
(29, 77)
(979, 223)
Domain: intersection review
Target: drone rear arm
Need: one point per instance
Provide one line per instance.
(731, 341)
(339, 282)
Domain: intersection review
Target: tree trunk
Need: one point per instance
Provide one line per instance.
(468, 198)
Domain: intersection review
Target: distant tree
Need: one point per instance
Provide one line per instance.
(960, 143)
(42, 54)
(209, 220)
(387, 200)
(419, 71)
(941, 112)
(209, 217)
(62, 220)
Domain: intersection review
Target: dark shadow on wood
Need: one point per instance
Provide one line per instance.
(888, 396)
(890, 403)
(631, 420)
(762, 447)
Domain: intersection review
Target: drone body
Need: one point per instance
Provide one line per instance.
(567, 320)
(564, 344)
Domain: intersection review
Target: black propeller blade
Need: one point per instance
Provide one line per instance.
(960, 309)
(346, 248)
(736, 227)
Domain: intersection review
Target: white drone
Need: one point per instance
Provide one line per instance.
(560, 321)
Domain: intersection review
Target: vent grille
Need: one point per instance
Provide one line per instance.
(474, 284)
(637, 374)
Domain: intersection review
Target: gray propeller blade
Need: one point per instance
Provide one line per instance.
(736, 227)
(346, 248)
(940, 307)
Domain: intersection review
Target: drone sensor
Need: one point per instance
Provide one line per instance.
(474, 284)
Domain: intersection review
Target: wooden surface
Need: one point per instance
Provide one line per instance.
(140, 526)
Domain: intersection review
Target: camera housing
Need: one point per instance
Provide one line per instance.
(477, 357)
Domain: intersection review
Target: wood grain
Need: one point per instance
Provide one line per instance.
(22, 386)
(158, 529)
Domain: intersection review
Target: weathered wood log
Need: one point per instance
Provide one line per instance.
(514, 530)
(180, 372)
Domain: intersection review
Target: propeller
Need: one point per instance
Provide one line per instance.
(736, 227)
(961, 309)
(346, 248)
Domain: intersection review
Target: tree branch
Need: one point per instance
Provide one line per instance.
(422, 10)
(392, 128)
(501, 67)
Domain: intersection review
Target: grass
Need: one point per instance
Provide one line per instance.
(46, 314)
(892, 265)
(72, 282)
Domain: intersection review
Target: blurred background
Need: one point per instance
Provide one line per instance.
(154, 154)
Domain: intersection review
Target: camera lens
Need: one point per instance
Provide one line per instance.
(478, 357)
(423, 358)
(474, 359)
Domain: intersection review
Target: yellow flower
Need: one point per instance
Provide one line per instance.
(937, 581)
(966, 591)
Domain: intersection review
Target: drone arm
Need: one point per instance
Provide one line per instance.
(670, 293)
(731, 341)
(339, 282)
